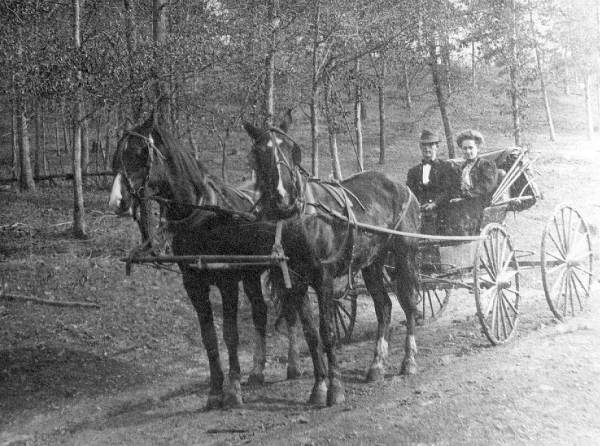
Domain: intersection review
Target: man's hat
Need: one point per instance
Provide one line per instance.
(428, 137)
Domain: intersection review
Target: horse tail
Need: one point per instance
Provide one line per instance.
(405, 249)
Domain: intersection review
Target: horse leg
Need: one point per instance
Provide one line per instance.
(405, 282)
(229, 298)
(335, 390)
(294, 370)
(372, 276)
(252, 288)
(298, 300)
(198, 292)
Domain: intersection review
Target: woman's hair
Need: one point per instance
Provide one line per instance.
(470, 134)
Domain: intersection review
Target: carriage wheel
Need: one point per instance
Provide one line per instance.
(345, 315)
(432, 303)
(496, 284)
(566, 262)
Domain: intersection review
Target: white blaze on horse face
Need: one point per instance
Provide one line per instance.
(115, 194)
(280, 188)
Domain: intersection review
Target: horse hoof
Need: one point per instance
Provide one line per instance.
(256, 379)
(375, 374)
(318, 396)
(293, 372)
(214, 402)
(335, 393)
(409, 367)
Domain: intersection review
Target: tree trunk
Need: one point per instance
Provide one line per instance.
(131, 37)
(85, 147)
(57, 143)
(78, 209)
(106, 152)
(44, 143)
(441, 98)
(544, 91)
(332, 131)
(588, 104)
(314, 123)
(159, 32)
(38, 140)
(407, 93)
(381, 100)
(514, 79)
(26, 182)
(14, 141)
(473, 64)
(268, 105)
(357, 118)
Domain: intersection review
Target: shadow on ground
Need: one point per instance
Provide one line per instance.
(43, 376)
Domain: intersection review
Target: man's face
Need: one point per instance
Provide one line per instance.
(470, 149)
(429, 150)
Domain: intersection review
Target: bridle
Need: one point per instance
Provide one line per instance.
(296, 172)
(138, 193)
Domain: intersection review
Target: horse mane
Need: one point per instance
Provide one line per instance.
(190, 172)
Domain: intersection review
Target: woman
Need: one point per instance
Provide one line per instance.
(478, 179)
(478, 176)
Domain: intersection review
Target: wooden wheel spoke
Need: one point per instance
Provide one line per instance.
(341, 308)
(489, 298)
(557, 268)
(507, 265)
(343, 324)
(562, 259)
(506, 313)
(490, 265)
(488, 270)
(579, 268)
(558, 245)
(569, 227)
(509, 303)
(576, 277)
(561, 231)
(337, 328)
(494, 309)
(557, 283)
(564, 295)
(574, 288)
(569, 294)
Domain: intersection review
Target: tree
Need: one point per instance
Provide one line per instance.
(79, 229)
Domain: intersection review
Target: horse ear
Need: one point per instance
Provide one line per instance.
(296, 155)
(254, 132)
(287, 120)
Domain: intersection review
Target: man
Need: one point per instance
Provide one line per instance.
(433, 182)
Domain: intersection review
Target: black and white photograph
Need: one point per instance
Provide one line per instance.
(305, 223)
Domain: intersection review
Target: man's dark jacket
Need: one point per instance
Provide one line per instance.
(443, 182)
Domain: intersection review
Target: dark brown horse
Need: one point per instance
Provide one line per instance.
(150, 163)
(311, 209)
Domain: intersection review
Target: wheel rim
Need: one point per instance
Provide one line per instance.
(566, 262)
(496, 285)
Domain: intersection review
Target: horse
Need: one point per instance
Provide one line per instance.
(150, 164)
(322, 214)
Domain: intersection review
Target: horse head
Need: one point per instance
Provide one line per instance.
(275, 158)
(150, 164)
(134, 165)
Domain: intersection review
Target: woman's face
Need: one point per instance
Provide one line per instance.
(470, 149)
